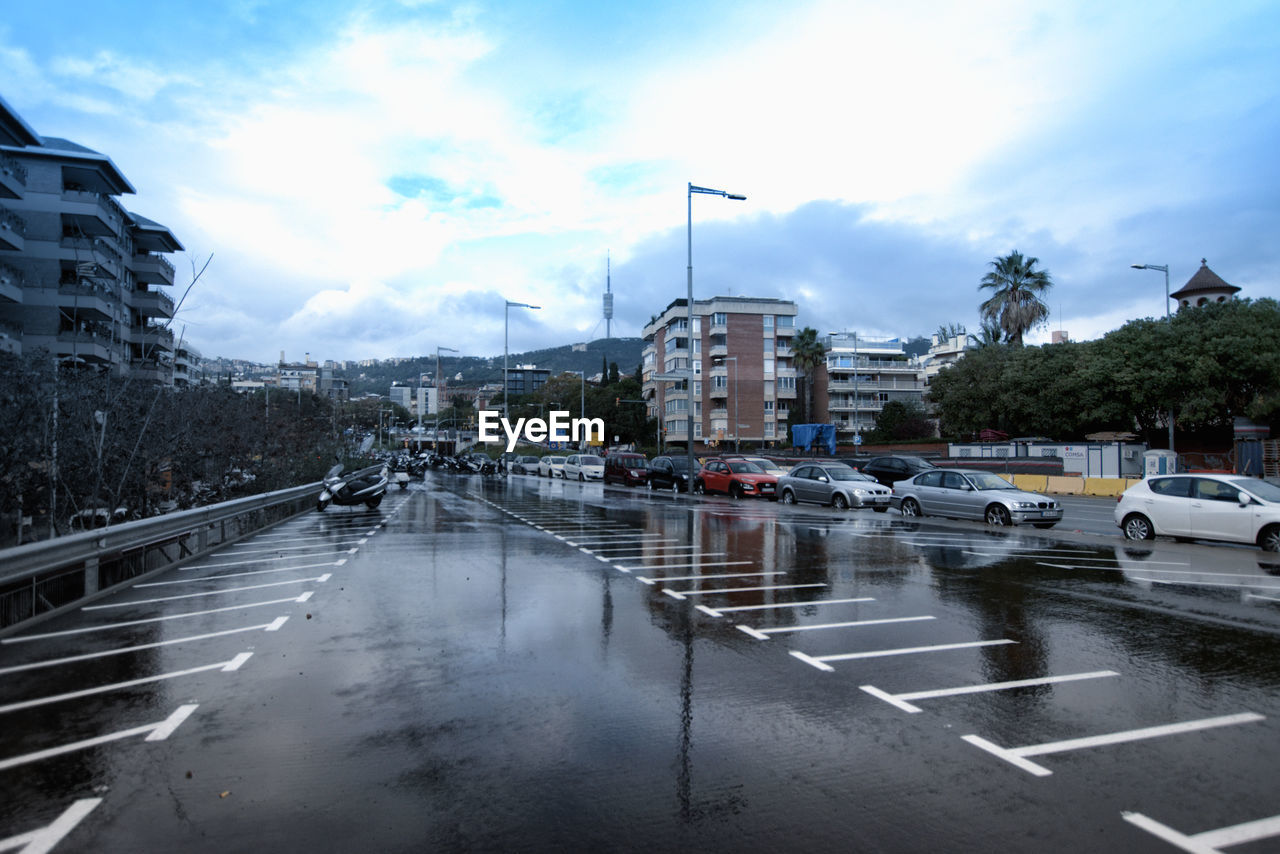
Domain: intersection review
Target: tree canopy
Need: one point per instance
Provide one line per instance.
(1016, 305)
(1207, 364)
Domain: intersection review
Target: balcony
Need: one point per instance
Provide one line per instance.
(151, 337)
(145, 369)
(93, 214)
(885, 384)
(718, 350)
(85, 302)
(723, 391)
(720, 415)
(785, 394)
(13, 231)
(784, 351)
(152, 269)
(13, 178)
(865, 404)
(86, 346)
(153, 303)
(10, 284)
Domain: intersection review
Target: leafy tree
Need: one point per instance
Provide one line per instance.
(899, 420)
(1015, 304)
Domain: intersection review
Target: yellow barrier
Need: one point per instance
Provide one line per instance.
(1107, 485)
(1064, 485)
(1032, 482)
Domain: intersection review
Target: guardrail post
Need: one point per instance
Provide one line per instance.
(91, 575)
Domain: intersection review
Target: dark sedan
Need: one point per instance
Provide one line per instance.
(891, 469)
(669, 473)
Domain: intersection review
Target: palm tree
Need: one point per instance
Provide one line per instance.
(808, 353)
(1016, 305)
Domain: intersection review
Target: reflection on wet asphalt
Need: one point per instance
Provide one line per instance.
(488, 664)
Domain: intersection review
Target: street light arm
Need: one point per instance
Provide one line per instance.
(710, 192)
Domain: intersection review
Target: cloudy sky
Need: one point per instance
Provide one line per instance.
(374, 178)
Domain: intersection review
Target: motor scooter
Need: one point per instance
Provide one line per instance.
(401, 473)
(366, 486)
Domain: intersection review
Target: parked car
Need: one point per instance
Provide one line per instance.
(669, 473)
(583, 467)
(551, 466)
(626, 468)
(835, 484)
(974, 494)
(889, 470)
(1202, 507)
(524, 465)
(736, 478)
(766, 465)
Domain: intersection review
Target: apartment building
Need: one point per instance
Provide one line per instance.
(743, 381)
(80, 274)
(862, 375)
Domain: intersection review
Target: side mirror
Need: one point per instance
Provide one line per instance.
(822, 480)
(1244, 499)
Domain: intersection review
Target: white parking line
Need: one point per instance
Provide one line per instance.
(689, 565)
(683, 594)
(1147, 563)
(1263, 598)
(1180, 583)
(820, 661)
(24, 638)
(720, 612)
(901, 700)
(312, 542)
(321, 579)
(763, 634)
(657, 544)
(634, 540)
(1016, 755)
(54, 662)
(652, 581)
(47, 838)
(242, 574)
(317, 547)
(225, 666)
(1210, 841)
(156, 732)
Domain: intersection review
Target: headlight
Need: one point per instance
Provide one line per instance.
(1025, 505)
(748, 486)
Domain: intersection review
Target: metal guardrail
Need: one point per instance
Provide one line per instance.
(39, 580)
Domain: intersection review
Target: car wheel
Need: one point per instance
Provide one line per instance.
(653, 487)
(839, 502)
(373, 503)
(700, 488)
(582, 478)
(788, 497)
(1269, 539)
(998, 514)
(1137, 527)
(910, 507)
(735, 491)
(675, 486)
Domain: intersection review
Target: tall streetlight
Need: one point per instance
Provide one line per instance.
(689, 332)
(438, 385)
(506, 327)
(1163, 268)
(583, 403)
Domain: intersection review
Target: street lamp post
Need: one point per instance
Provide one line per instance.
(689, 332)
(438, 385)
(583, 402)
(1163, 268)
(506, 327)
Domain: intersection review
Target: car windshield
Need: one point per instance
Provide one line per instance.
(987, 480)
(590, 461)
(1264, 489)
(556, 461)
(846, 473)
(744, 467)
(679, 462)
(766, 466)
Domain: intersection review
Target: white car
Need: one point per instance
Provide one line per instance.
(551, 466)
(583, 467)
(1226, 507)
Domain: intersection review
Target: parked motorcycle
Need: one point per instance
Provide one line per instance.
(400, 472)
(366, 486)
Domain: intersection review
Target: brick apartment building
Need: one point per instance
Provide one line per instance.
(743, 382)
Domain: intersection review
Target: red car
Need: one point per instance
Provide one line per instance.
(626, 468)
(737, 478)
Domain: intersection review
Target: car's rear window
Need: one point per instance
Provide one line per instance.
(1174, 487)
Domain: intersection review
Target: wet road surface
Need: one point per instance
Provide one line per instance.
(521, 665)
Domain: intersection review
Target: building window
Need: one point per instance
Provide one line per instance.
(768, 388)
(697, 368)
(697, 388)
(768, 323)
(697, 345)
(697, 326)
(719, 319)
(768, 407)
(769, 427)
(786, 322)
(697, 408)
(787, 383)
(719, 381)
(768, 365)
(697, 429)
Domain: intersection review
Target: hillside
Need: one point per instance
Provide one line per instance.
(476, 370)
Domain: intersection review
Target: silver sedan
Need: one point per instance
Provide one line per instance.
(834, 484)
(973, 494)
